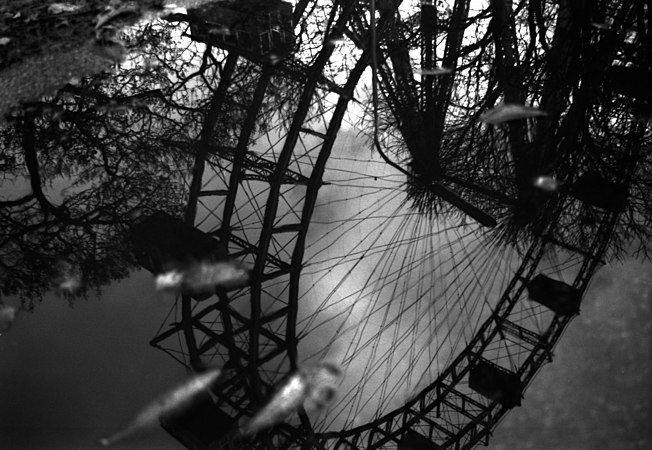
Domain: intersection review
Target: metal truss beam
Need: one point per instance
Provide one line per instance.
(275, 185)
(445, 393)
(258, 165)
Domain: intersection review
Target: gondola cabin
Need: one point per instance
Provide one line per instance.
(203, 426)
(555, 295)
(412, 440)
(496, 383)
(162, 242)
(596, 191)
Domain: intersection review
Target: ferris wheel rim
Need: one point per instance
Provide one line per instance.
(387, 418)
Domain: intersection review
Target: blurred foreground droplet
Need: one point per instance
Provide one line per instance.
(179, 399)
(435, 71)
(601, 26)
(335, 40)
(313, 388)
(273, 59)
(546, 183)
(115, 10)
(323, 381)
(505, 112)
(60, 8)
(68, 279)
(7, 317)
(204, 277)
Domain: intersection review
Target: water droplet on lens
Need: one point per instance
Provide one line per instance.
(435, 71)
(546, 183)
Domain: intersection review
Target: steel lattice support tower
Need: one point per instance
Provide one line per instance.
(262, 346)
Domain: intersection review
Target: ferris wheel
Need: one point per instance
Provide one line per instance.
(437, 274)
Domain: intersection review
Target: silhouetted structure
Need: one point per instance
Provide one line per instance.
(162, 242)
(596, 191)
(260, 199)
(415, 441)
(496, 383)
(200, 427)
(258, 30)
(556, 295)
(455, 167)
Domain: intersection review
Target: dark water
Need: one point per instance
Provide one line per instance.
(71, 376)
(597, 392)
(210, 125)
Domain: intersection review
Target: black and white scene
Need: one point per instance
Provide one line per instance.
(326, 224)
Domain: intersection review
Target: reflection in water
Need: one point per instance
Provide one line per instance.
(201, 156)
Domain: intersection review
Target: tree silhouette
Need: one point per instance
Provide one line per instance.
(128, 141)
(93, 159)
(581, 74)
